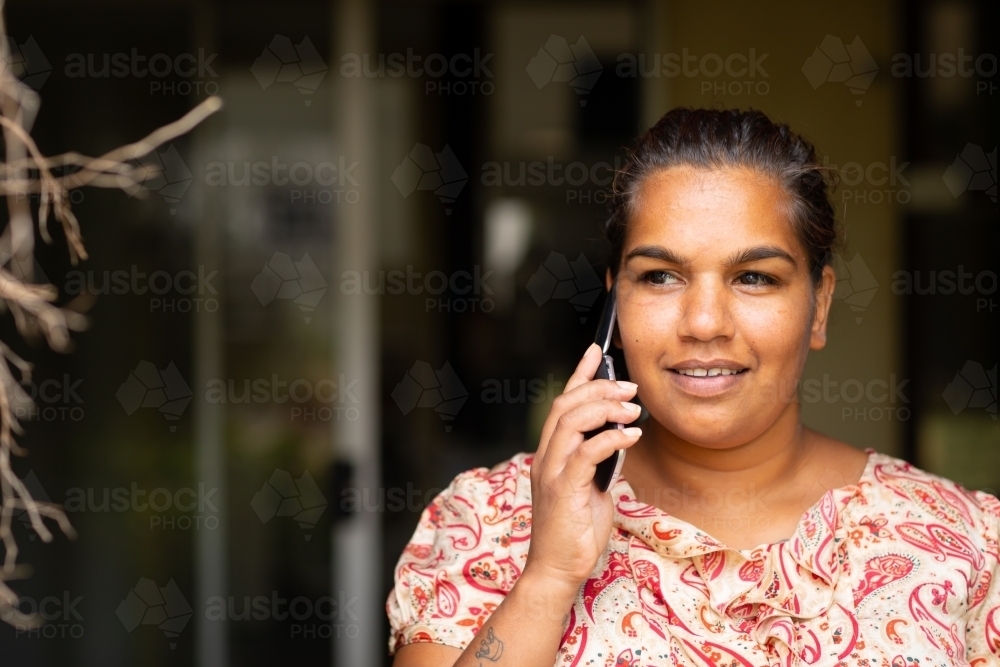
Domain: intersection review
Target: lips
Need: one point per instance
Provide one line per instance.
(707, 372)
(707, 378)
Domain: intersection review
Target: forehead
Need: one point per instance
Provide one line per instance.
(704, 208)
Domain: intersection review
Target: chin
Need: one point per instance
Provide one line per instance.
(712, 430)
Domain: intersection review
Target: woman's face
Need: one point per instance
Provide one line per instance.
(717, 310)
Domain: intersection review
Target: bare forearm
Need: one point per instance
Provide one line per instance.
(525, 629)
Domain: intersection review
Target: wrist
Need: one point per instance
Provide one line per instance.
(547, 595)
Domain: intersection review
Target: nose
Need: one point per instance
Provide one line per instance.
(705, 311)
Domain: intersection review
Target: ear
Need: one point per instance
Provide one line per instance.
(608, 279)
(821, 313)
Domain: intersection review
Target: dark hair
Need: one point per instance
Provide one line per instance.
(718, 138)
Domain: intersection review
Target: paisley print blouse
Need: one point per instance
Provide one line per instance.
(901, 569)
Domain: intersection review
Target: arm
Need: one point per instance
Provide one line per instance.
(524, 631)
(982, 626)
(571, 524)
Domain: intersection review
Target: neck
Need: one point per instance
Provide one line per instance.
(767, 461)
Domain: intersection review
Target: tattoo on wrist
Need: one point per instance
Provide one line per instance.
(490, 648)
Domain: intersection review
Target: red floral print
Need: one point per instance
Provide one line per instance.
(898, 570)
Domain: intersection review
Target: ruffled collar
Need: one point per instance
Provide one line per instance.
(675, 538)
(760, 591)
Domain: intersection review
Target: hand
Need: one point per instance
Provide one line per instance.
(572, 519)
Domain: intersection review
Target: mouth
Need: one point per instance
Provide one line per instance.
(708, 372)
(705, 379)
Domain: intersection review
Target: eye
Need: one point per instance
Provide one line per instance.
(756, 279)
(659, 278)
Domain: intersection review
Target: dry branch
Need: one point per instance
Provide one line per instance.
(26, 173)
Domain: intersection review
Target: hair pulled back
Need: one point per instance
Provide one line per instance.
(722, 138)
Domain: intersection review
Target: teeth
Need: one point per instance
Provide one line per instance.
(710, 372)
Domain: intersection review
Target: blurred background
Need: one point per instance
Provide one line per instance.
(377, 265)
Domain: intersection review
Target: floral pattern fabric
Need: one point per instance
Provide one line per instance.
(898, 570)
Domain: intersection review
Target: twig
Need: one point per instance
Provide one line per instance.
(25, 172)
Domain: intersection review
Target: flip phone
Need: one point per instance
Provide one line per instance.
(608, 469)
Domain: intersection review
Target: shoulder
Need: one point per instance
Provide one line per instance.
(925, 504)
(504, 476)
(468, 549)
(492, 493)
(481, 509)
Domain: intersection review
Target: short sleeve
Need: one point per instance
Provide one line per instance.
(467, 551)
(982, 628)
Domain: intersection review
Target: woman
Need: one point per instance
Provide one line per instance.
(735, 536)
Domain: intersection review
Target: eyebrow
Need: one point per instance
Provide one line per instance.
(758, 253)
(655, 252)
(744, 256)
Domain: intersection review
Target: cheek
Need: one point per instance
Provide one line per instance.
(645, 331)
(775, 329)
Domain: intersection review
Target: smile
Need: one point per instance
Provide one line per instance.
(708, 378)
(707, 372)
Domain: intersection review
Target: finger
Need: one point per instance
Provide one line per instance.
(592, 390)
(582, 464)
(571, 427)
(596, 390)
(587, 367)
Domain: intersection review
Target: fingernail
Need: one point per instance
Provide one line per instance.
(632, 431)
(631, 407)
(627, 385)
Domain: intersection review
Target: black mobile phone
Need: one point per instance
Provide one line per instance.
(608, 469)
